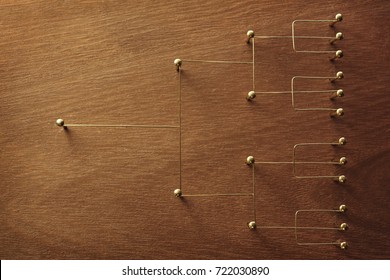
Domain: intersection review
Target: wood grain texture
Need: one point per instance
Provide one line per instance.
(107, 193)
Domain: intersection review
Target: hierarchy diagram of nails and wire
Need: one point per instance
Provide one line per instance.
(249, 96)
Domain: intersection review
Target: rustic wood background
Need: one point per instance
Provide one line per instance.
(107, 193)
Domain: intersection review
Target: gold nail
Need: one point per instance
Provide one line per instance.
(251, 95)
(338, 93)
(338, 113)
(339, 76)
(343, 208)
(343, 245)
(178, 192)
(178, 62)
(250, 34)
(343, 160)
(344, 226)
(338, 54)
(342, 179)
(252, 225)
(337, 18)
(60, 122)
(339, 36)
(342, 141)
(250, 160)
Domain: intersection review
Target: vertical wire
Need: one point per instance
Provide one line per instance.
(253, 63)
(292, 92)
(253, 164)
(293, 35)
(180, 144)
(253, 189)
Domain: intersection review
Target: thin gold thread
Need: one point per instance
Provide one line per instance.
(253, 63)
(254, 193)
(299, 162)
(217, 61)
(217, 194)
(314, 243)
(120, 125)
(292, 227)
(293, 36)
(311, 144)
(180, 134)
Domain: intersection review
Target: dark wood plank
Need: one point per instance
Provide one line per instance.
(107, 193)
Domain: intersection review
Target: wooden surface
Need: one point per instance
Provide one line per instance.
(107, 193)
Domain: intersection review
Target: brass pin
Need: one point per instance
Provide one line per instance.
(178, 62)
(250, 34)
(342, 179)
(343, 245)
(338, 54)
(337, 18)
(252, 225)
(342, 141)
(251, 95)
(343, 208)
(338, 93)
(339, 36)
(60, 123)
(177, 192)
(344, 226)
(338, 113)
(339, 76)
(250, 160)
(343, 160)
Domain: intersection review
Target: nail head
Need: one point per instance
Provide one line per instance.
(177, 192)
(60, 122)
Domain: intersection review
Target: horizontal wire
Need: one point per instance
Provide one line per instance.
(297, 162)
(314, 51)
(217, 61)
(315, 20)
(288, 36)
(120, 125)
(308, 177)
(319, 210)
(315, 109)
(321, 243)
(300, 91)
(318, 143)
(313, 77)
(218, 194)
(292, 227)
